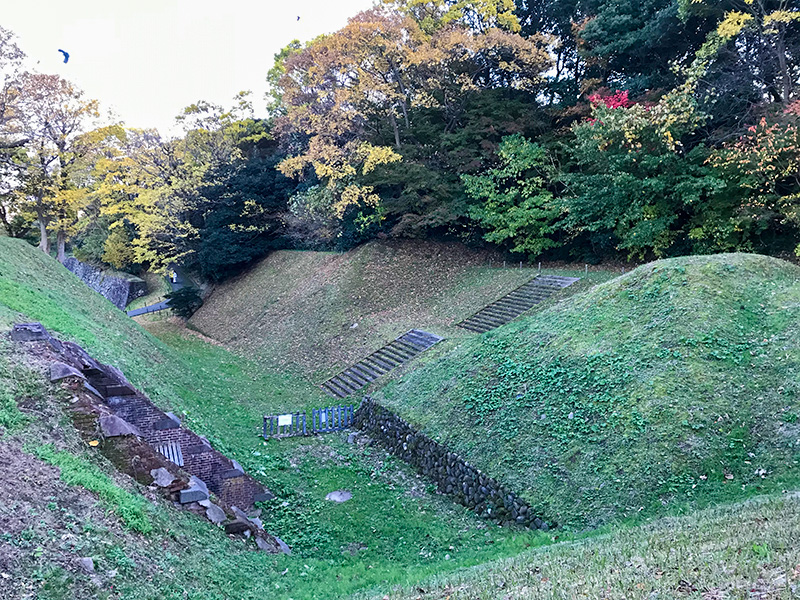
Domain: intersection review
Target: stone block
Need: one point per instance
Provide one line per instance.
(237, 526)
(113, 426)
(339, 496)
(90, 388)
(215, 514)
(283, 545)
(29, 332)
(170, 421)
(196, 491)
(162, 477)
(266, 546)
(60, 370)
(263, 496)
(236, 470)
(86, 564)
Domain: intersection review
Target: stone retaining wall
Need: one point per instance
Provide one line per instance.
(452, 474)
(120, 291)
(222, 475)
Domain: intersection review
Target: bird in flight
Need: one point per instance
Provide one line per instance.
(65, 53)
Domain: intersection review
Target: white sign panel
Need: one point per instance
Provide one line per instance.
(284, 420)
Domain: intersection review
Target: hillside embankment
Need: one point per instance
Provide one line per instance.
(674, 385)
(319, 312)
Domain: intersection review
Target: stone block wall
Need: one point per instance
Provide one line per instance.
(155, 426)
(453, 476)
(119, 290)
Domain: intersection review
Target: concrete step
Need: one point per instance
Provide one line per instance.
(501, 312)
(333, 390)
(395, 353)
(522, 302)
(490, 318)
(398, 355)
(410, 347)
(354, 373)
(386, 357)
(354, 381)
(515, 303)
(367, 370)
(345, 383)
(378, 365)
(477, 326)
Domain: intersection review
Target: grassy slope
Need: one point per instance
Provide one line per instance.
(298, 308)
(673, 385)
(394, 530)
(742, 551)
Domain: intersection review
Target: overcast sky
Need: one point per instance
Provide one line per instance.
(147, 59)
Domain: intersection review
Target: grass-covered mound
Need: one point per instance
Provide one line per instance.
(673, 385)
(322, 311)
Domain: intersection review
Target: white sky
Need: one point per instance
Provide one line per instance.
(147, 59)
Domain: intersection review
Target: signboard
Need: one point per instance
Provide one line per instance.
(284, 420)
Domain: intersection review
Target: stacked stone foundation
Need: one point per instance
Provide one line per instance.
(453, 476)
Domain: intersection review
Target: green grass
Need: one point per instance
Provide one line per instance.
(674, 386)
(132, 509)
(11, 418)
(740, 551)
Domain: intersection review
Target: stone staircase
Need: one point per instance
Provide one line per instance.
(392, 355)
(513, 304)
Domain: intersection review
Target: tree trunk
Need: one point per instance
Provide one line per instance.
(4, 219)
(786, 80)
(403, 92)
(396, 131)
(44, 241)
(61, 243)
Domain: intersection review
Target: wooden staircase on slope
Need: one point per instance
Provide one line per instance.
(392, 355)
(513, 304)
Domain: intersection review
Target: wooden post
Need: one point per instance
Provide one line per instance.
(540, 266)
(264, 427)
(586, 269)
(504, 264)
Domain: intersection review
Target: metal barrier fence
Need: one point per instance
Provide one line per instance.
(333, 418)
(288, 425)
(323, 420)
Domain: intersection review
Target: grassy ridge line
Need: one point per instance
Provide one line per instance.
(300, 308)
(674, 385)
(742, 551)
